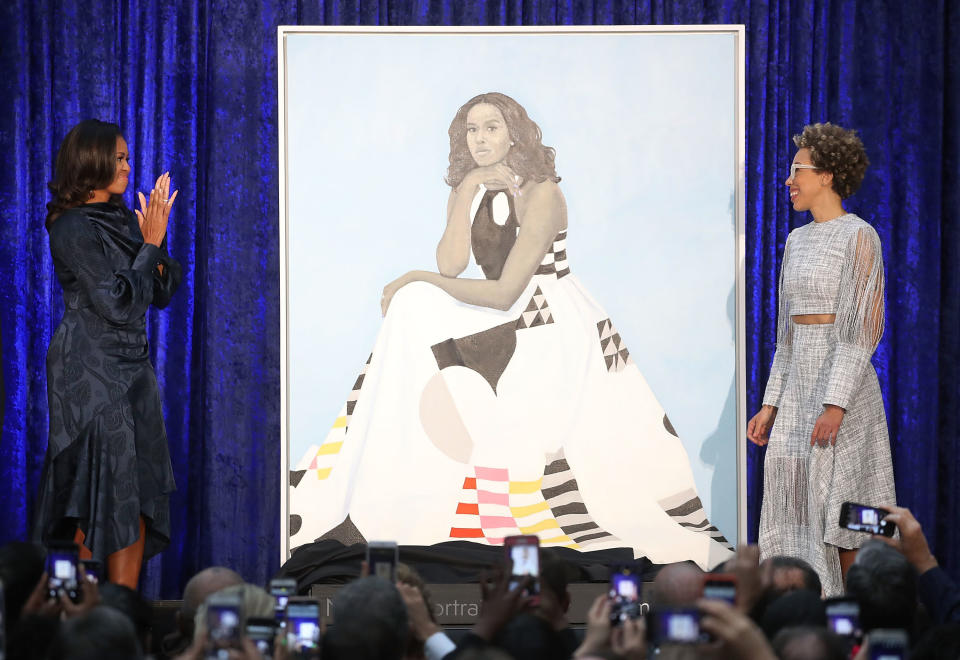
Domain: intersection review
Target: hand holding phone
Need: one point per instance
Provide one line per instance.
(624, 594)
(843, 618)
(863, 518)
(382, 558)
(282, 589)
(224, 621)
(720, 586)
(887, 644)
(675, 625)
(62, 571)
(523, 552)
(262, 632)
(303, 626)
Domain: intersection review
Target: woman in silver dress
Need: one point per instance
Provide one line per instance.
(822, 417)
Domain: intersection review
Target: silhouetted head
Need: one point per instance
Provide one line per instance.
(370, 623)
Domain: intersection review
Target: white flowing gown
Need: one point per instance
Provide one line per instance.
(470, 423)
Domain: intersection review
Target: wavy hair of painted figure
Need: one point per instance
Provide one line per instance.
(822, 418)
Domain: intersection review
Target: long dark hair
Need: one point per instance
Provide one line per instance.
(528, 157)
(86, 162)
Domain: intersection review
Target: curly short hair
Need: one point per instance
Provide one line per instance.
(836, 150)
(528, 158)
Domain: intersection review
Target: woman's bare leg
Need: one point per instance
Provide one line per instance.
(82, 552)
(123, 566)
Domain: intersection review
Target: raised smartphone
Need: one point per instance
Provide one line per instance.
(303, 625)
(863, 518)
(62, 571)
(524, 553)
(382, 557)
(625, 592)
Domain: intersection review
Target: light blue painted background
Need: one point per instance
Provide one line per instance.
(644, 129)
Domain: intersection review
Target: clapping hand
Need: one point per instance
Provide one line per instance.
(153, 213)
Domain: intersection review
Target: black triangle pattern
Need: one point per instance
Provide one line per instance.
(615, 353)
(535, 314)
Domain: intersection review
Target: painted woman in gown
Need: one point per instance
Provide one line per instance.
(822, 419)
(499, 398)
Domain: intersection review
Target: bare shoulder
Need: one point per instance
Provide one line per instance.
(543, 202)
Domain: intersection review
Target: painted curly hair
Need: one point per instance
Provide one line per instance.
(528, 158)
(836, 150)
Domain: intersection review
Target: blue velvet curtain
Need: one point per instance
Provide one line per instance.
(193, 84)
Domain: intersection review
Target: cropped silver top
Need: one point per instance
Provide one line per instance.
(833, 267)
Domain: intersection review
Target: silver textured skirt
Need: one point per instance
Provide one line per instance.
(804, 486)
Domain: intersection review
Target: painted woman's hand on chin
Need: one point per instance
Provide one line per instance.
(496, 177)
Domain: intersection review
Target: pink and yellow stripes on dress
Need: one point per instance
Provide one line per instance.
(493, 507)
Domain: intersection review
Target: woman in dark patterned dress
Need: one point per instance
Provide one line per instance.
(107, 474)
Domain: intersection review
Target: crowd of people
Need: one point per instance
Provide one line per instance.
(778, 612)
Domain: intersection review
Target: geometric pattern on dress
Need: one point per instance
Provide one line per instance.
(615, 353)
(669, 427)
(561, 493)
(554, 262)
(492, 506)
(686, 509)
(536, 313)
(319, 461)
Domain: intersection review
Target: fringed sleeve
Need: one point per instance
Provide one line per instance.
(859, 322)
(784, 353)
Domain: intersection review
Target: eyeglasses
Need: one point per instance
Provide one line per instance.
(800, 166)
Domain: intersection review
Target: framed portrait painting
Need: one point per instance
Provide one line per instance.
(511, 289)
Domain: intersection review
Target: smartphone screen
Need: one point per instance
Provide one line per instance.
(524, 552)
(303, 625)
(720, 587)
(281, 589)
(224, 625)
(382, 559)
(262, 632)
(843, 618)
(862, 518)
(62, 571)
(624, 595)
(887, 644)
(675, 625)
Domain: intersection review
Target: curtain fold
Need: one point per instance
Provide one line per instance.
(193, 85)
